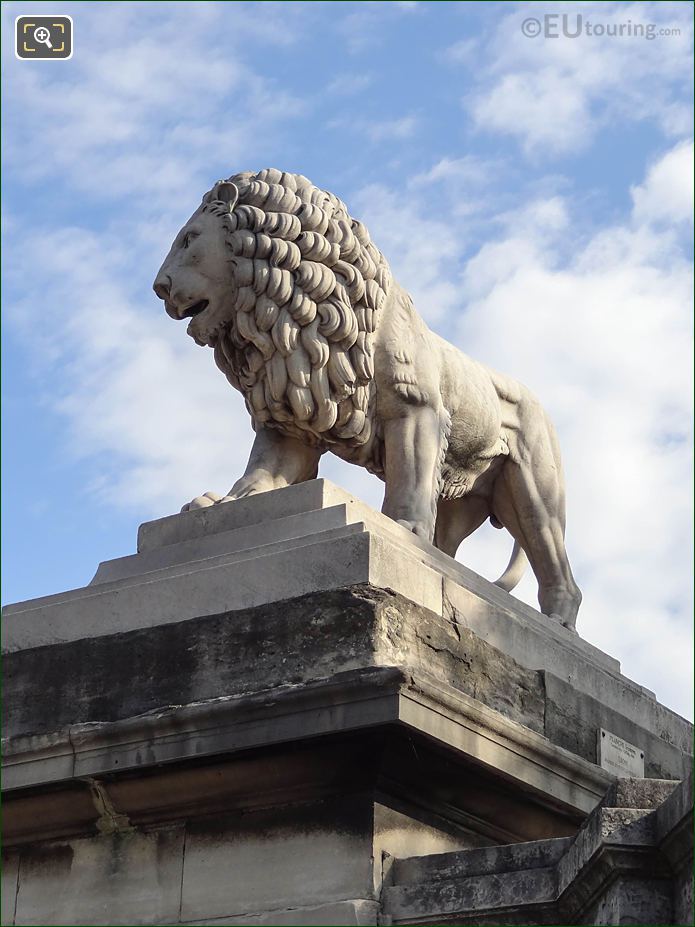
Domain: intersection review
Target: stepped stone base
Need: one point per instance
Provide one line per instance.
(287, 709)
(630, 863)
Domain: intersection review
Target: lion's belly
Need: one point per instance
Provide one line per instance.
(476, 446)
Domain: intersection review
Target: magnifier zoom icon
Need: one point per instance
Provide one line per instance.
(42, 35)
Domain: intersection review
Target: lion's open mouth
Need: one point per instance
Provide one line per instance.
(195, 309)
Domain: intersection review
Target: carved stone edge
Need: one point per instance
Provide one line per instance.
(614, 843)
(349, 701)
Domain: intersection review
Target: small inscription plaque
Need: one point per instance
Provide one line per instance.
(618, 756)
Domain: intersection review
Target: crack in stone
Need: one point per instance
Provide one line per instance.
(110, 821)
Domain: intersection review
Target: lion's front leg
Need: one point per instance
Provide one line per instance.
(275, 461)
(414, 444)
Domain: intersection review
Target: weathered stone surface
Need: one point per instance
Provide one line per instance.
(557, 787)
(673, 827)
(639, 793)
(301, 639)
(683, 903)
(313, 637)
(399, 835)
(357, 912)
(185, 662)
(617, 870)
(522, 633)
(500, 894)
(536, 854)
(123, 878)
(241, 579)
(633, 901)
(10, 881)
(200, 524)
(573, 721)
(321, 736)
(284, 858)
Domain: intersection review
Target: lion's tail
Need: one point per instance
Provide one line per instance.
(515, 569)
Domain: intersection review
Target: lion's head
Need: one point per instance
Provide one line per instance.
(286, 287)
(196, 280)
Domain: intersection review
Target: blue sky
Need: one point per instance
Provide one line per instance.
(534, 194)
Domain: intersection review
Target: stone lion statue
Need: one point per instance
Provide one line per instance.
(306, 320)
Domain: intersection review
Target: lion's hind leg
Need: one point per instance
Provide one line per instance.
(529, 500)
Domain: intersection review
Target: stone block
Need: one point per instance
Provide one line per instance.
(253, 510)
(233, 581)
(292, 857)
(353, 913)
(502, 894)
(628, 900)
(295, 641)
(536, 854)
(573, 719)
(639, 793)
(618, 869)
(311, 693)
(330, 560)
(123, 878)
(533, 640)
(10, 882)
(218, 543)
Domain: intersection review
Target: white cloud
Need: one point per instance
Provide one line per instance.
(365, 26)
(465, 51)
(137, 119)
(147, 100)
(347, 85)
(667, 193)
(553, 94)
(467, 170)
(601, 331)
(543, 109)
(604, 340)
(386, 129)
(424, 251)
(137, 394)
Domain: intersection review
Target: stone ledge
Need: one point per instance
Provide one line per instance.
(309, 496)
(316, 636)
(615, 862)
(314, 512)
(323, 562)
(346, 702)
(355, 912)
(299, 540)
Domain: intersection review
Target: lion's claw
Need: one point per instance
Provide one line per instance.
(202, 502)
(250, 486)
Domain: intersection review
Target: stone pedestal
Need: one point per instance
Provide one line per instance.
(286, 709)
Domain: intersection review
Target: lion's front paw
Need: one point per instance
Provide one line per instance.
(202, 502)
(251, 486)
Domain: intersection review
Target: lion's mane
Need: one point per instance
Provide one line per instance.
(309, 287)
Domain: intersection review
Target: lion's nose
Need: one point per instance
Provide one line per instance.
(162, 286)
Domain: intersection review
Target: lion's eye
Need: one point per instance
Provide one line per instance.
(188, 239)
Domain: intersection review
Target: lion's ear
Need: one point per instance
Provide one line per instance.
(225, 192)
